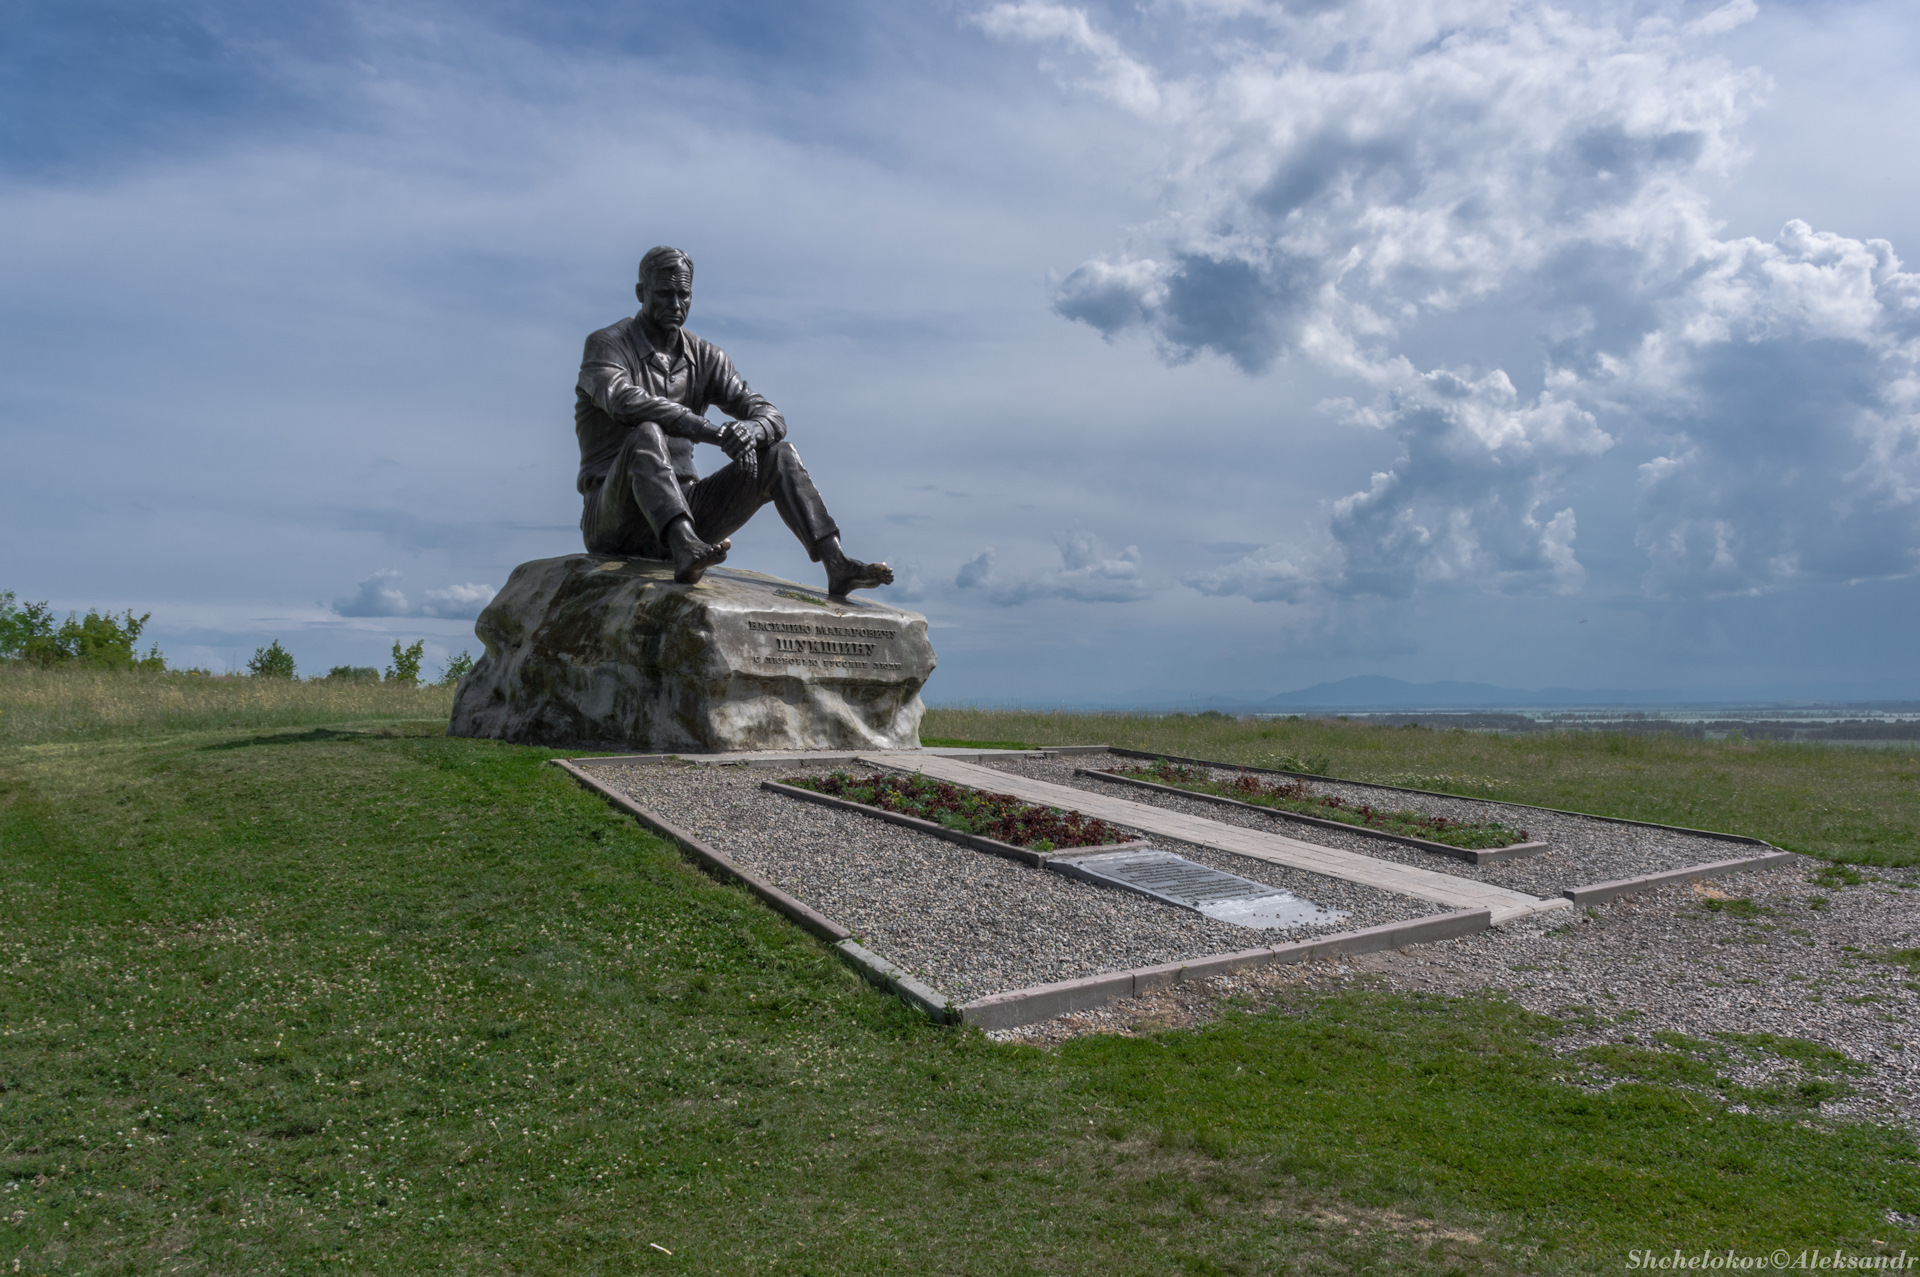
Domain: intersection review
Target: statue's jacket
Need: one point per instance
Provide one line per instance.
(625, 382)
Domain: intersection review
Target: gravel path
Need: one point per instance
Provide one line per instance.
(968, 923)
(1581, 849)
(1806, 961)
(1769, 951)
(1800, 959)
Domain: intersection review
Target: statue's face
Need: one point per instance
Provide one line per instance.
(665, 299)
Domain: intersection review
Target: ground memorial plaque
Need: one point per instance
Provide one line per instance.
(1202, 888)
(598, 652)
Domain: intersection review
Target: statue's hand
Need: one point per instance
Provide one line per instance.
(738, 441)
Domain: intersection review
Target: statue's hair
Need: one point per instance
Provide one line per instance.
(662, 258)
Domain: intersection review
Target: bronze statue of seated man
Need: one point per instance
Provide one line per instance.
(639, 407)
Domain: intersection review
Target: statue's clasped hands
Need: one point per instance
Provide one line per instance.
(740, 440)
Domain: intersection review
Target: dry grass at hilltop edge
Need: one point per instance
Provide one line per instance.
(41, 706)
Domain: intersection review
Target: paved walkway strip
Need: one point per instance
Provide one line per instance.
(1473, 855)
(1434, 793)
(1421, 884)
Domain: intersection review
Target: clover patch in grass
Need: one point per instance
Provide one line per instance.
(1737, 906)
(1836, 876)
(1805, 1075)
(1908, 958)
(1811, 1056)
(1652, 1066)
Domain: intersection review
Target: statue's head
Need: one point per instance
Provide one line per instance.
(665, 289)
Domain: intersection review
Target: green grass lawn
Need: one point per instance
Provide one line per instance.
(1858, 805)
(333, 992)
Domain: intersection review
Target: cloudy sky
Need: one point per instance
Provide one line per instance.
(1202, 346)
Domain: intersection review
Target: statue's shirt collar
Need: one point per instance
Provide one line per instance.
(667, 360)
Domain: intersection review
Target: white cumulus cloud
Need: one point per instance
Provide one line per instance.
(1494, 217)
(380, 595)
(376, 596)
(1114, 74)
(1087, 573)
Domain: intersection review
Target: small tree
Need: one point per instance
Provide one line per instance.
(271, 661)
(21, 625)
(100, 639)
(106, 642)
(456, 668)
(406, 663)
(43, 643)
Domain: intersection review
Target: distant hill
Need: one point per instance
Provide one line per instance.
(1372, 691)
(1376, 693)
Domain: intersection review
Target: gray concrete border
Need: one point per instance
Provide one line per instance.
(1025, 1006)
(992, 846)
(714, 862)
(878, 971)
(1434, 793)
(872, 967)
(1473, 855)
(1595, 892)
(1043, 1002)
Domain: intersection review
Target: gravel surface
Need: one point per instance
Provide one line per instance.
(1799, 959)
(1780, 951)
(1580, 849)
(966, 922)
(1807, 961)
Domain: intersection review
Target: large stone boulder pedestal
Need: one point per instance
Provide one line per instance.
(594, 652)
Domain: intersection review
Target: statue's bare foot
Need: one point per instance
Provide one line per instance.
(852, 574)
(692, 557)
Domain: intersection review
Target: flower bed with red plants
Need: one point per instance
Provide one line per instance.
(1298, 796)
(1001, 817)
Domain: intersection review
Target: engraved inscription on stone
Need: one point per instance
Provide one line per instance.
(592, 652)
(844, 644)
(1202, 888)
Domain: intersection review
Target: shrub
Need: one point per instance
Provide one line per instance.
(456, 667)
(406, 663)
(271, 661)
(356, 673)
